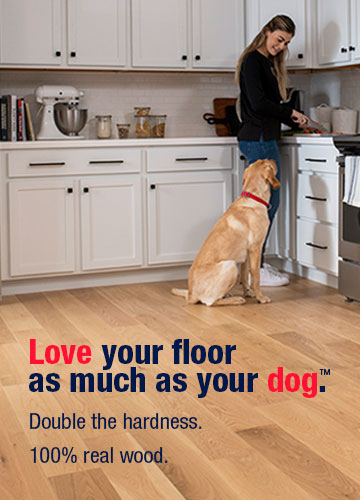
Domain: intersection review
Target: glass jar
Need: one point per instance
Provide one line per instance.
(142, 127)
(103, 126)
(123, 130)
(142, 111)
(158, 125)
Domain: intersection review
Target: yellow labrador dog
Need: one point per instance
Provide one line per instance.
(237, 237)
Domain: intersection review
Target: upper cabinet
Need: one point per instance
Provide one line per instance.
(97, 33)
(187, 34)
(159, 33)
(31, 32)
(337, 34)
(259, 12)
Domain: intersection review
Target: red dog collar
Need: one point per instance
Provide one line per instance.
(246, 194)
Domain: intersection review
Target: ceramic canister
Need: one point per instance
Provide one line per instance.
(322, 114)
(344, 120)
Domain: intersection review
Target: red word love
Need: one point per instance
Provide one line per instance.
(53, 353)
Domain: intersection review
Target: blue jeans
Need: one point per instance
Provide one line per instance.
(262, 150)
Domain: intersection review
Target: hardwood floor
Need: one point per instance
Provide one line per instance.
(251, 446)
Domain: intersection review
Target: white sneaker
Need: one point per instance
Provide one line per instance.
(274, 270)
(269, 278)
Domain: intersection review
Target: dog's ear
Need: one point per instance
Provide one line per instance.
(270, 173)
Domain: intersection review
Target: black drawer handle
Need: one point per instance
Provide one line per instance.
(184, 57)
(316, 246)
(316, 160)
(343, 49)
(197, 57)
(191, 159)
(102, 162)
(58, 53)
(300, 56)
(69, 190)
(72, 54)
(48, 164)
(352, 48)
(152, 186)
(242, 157)
(315, 198)
(85, 190)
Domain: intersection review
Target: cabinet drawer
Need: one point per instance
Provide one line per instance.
(49, 162)
(317, 245)
(317, 197)
(185, 158)
(320, 158)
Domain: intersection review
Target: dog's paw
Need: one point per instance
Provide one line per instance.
(263, 299)
(249, 292)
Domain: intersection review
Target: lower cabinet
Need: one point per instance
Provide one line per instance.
(41, 227)
(110, 221)
(43, 231)
(182, 209)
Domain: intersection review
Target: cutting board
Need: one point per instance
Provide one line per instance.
(220, 104)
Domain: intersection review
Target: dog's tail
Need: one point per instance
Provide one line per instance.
(180, 292)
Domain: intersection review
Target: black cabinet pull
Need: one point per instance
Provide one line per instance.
(352, 48)
(316, 246)
(85, 189)
(101, 162)
(197, 57)
(343, 49)
(184, 57)
(316, 160)
(300, 56)
(192, 159)
(308, 197)
(152, 186)
(58, 53)
(72, 54)
(69, 190)
(242, 157)
(48, 164)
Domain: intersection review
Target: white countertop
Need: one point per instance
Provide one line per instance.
(173, 141)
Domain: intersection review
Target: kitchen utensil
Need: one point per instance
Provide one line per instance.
(344, 120)
(311, 124)
(224, 116)
(60, 124)
(70, 120)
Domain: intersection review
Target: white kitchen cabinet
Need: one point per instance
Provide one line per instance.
(259, 12)
(183, 207)
(159, 33)
(111, 229)
(31, 32)
(162, 36)
(217, 33)
(41, 226)
(97, 33)
(286, 216)
(338, 26)
(317, 207)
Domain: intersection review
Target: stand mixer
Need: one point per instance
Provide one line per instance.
(60, 118)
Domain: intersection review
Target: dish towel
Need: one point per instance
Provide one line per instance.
(352, 181)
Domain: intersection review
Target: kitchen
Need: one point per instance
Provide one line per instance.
(78, 279)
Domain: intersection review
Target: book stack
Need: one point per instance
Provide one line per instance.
(15, 119)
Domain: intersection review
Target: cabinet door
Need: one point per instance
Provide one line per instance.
(261, 11)
(355, 30)
(333, 31)
(41, 225)
(218, 33)
(182, 210)
(31, 32)
(159, 33)
(97, 32)
(111, 222)
(286, 216)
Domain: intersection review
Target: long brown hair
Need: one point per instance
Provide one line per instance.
(280, 22)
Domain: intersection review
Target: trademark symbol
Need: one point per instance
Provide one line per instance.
(324, 371)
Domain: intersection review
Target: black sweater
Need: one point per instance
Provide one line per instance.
(261, 111)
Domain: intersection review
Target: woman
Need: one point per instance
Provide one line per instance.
(262, 75)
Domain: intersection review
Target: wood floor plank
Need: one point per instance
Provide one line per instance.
(299, 462)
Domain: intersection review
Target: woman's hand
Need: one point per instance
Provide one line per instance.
(299, 118)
